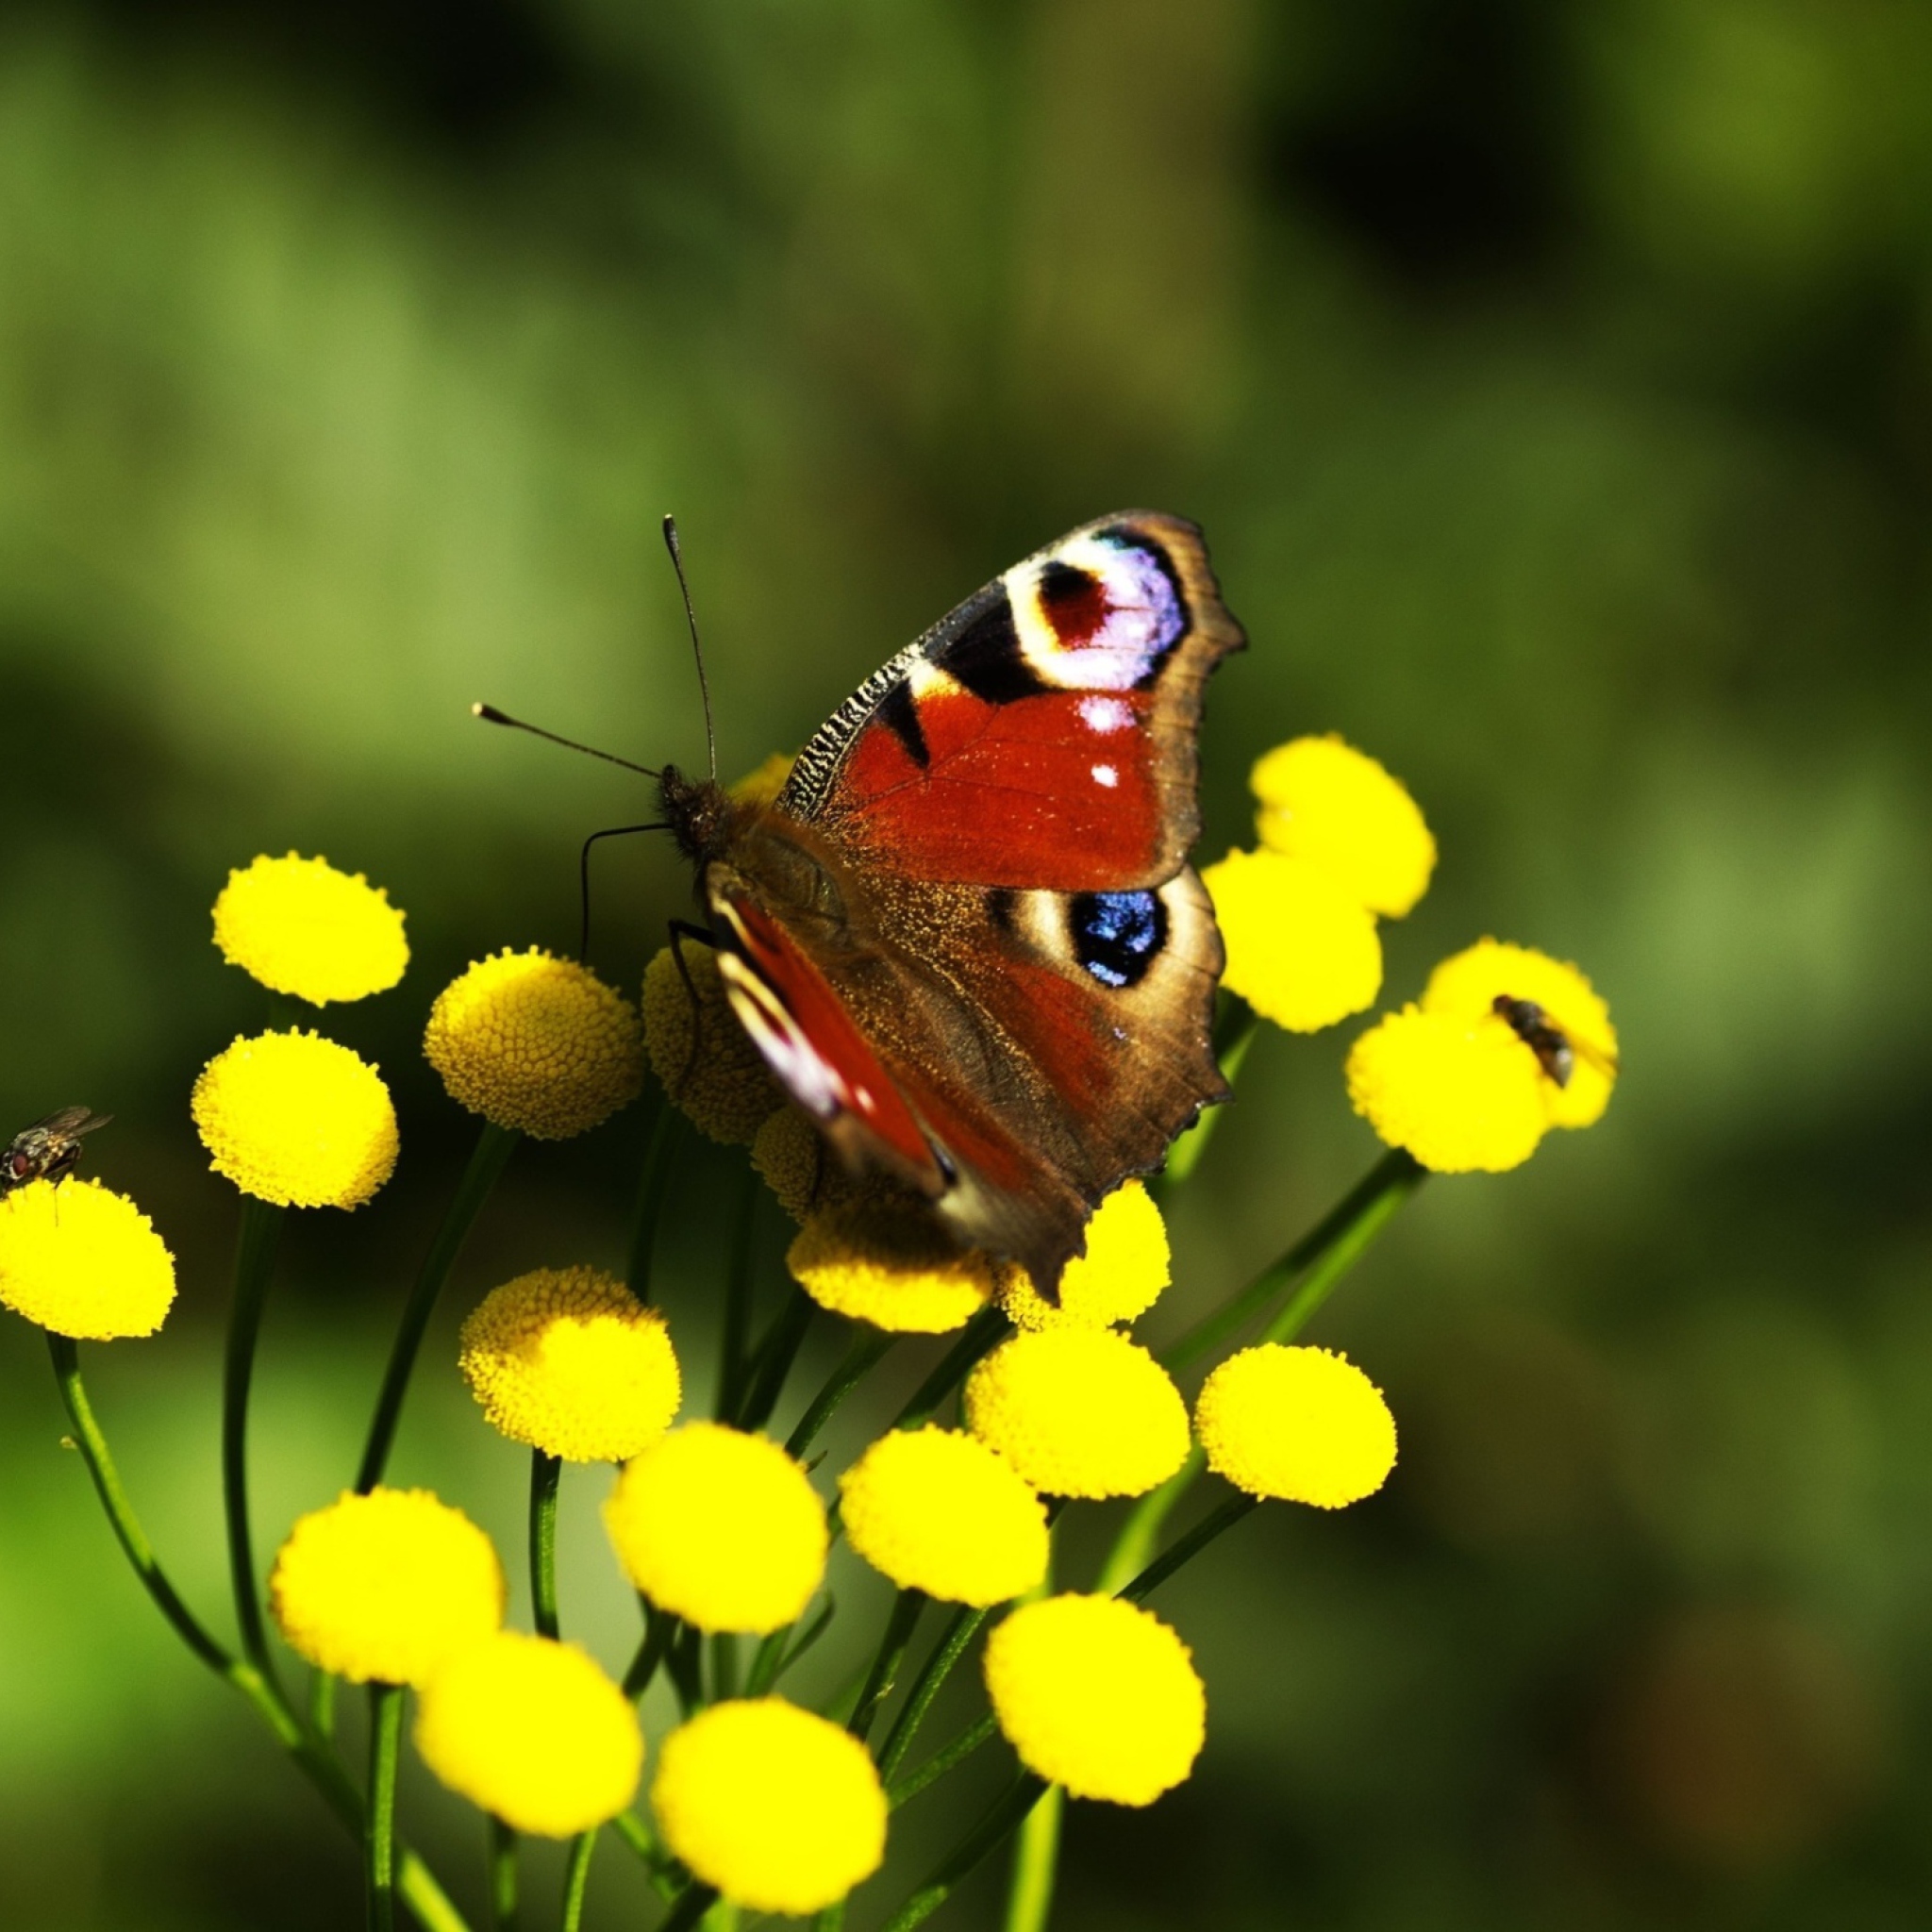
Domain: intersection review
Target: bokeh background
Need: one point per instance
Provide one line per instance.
(1555, 385)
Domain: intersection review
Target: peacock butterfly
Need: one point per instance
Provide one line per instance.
(965, 936)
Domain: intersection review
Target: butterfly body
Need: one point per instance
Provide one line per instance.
(965, 936)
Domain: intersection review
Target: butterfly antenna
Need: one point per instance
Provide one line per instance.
(491, 715)
(691, 618)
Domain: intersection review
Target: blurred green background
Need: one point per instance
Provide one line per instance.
(1555, 385)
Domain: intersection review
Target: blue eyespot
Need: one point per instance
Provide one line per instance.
(1117, 936)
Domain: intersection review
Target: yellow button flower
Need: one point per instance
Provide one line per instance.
(536, 1043)
(1461, 1095)
(300, 927)
(533, 1731)
(382, 1588)
(779, 1809)
(1079, 1412)
(570, 1361)
(1301, 949)
(1582, 1046)
(1300, 1424)
(888, 1261)
(82, 1260)
(1121, 1276)
(724, 1088)
(802, 1172)
(1097, 1694)
(763, 784)
(297, 1119)
(720, 1527)
(1325, 801)
(938, 1511)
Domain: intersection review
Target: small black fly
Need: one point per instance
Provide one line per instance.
(50, 1149)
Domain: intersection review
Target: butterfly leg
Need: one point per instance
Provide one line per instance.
(682, 929)
(584, 880)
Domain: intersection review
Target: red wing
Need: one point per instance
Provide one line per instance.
(1041, 736)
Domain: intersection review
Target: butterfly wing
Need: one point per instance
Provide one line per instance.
(974, 889)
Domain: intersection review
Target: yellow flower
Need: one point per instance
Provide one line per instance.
(1097, 1694)
(1300, 1424)
(1301, 949)
(1325, 801)
(533, 1731)
(802, 1172)
(536, 1043)
(764, 782)
(724, 1088)
(1469, 983)
(778, 1808)
(1121, 1276)
(889, 1261)
(570, 1361)
(83, 1261)
(1461, 1095)
(302, 928)
(1079, 1412)
(719, 1527)
(297, 1119)
(938, 1511)
(383, 1587)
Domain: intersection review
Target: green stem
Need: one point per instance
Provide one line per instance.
(502, 1877)
(493, 1147)
(733, 1369)
(886, 1663)
(869, 1346)
(1006, 1813)
(954, 1638)
(1234, 1033)
(724, 1666)
(255, 1255)
(1223, 1516)
(772, 1363)
(576, 1878)
(660, 1628)
(1036, 1858)
(1133, 1548)
(385, 1742)
(937, 1766)
(546, 1472)
(693, 1902)
(322, 1704)
(686, 1663)
(661, 1156)
(425, 1897)
(979, 1337)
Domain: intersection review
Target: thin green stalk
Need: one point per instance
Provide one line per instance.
(693, 1902)
(1223, 1516)
(734, 1343)
(685, 1661)
(661, 1156)
(322, 1704)
(425, 1897)
(385, 1742)
(724, 1666)
(1133, 1549)
(1006, 1813)
(869, 1346)
(1233, 1033)
(771, 1361)
(660, 1628)
(502, 1877)
(936, 1767)
(255, 1256)
(488, 1160)
(979, 1337)
(887, 1662)
(959, 1632)
(546, 1472)
(1036, 1859)
(576, 1878)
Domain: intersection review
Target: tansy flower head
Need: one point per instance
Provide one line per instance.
(802, 1170)
(536, 1043)
(938, 1511)
(719, 1527)
(383, 1587)
(1322, 800)
(1079, 1412)
(1302, 950)
(778, 1808)
(1121, 1276)
(1553, 1003)
(1460, 1095)
(763, 784)
(83, 1261)
(1300, 1424)
(725, 1086)
(1097, 1694)
(570, 1361)
(297, 1119)
(532, 1731)
(302, 928)
(888, 1261)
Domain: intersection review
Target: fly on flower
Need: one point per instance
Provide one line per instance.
(50, 1149)
(1555, 1051)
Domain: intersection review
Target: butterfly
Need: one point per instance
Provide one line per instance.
(965, 936)
(48, 1150)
